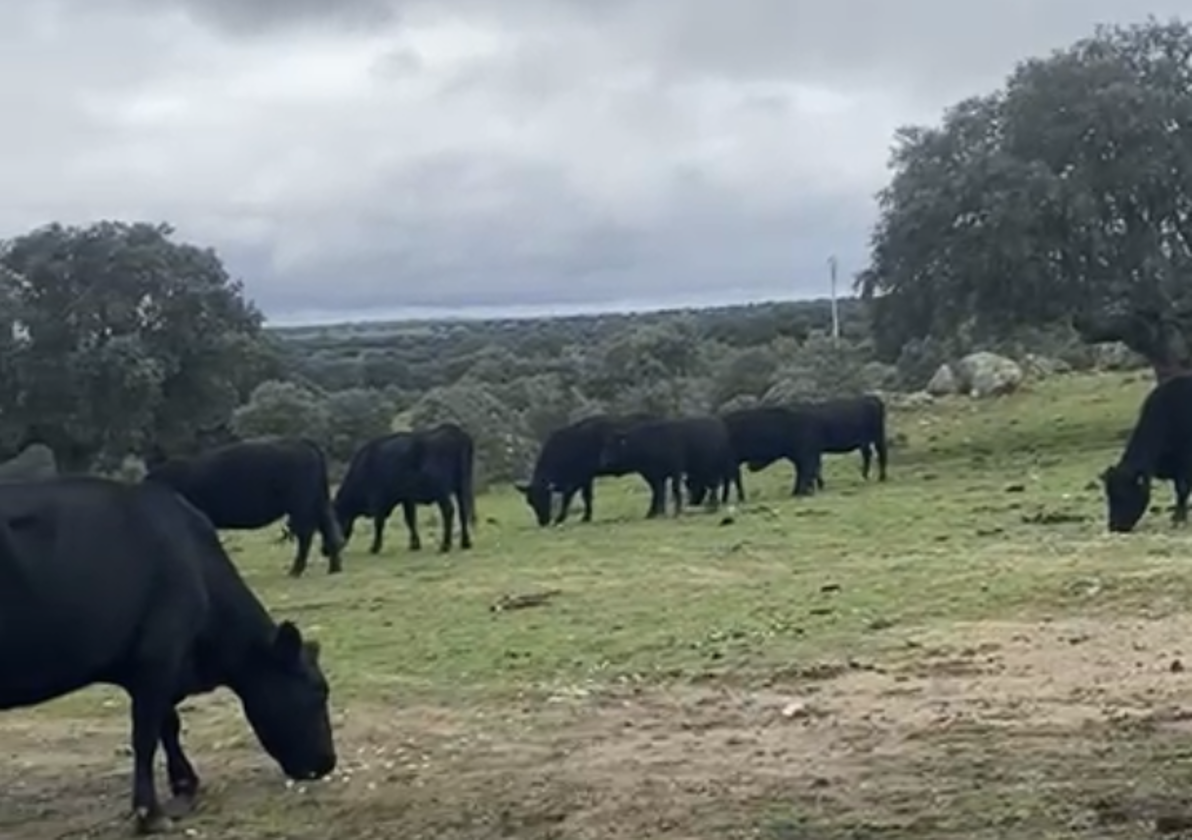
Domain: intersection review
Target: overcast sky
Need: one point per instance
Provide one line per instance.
(367, 158)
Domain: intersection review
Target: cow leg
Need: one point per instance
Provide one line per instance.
(150, 708)
(739, 485)
(1183, 486)
(866, 461)
(657, 498)
(410, 514)
(331, 539)
(184, 781)
(713, 498)
(378, 532)
(712, 492)
(585, 492)
(465, 528)
(299, 565)
(880, 446)
(676, 483)
(806, 476)
(447, 515)
(565, 506)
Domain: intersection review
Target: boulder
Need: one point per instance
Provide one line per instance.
(1036, 366)
(1114, 355)
(984, 374)
(942, 383)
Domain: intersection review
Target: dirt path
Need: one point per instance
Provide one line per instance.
(994, 729)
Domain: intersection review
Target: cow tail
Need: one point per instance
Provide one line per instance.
(467, 484)
(333, 538)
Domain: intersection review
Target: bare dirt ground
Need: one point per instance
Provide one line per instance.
(1058, 729)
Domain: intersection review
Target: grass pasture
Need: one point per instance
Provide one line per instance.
(963, 652)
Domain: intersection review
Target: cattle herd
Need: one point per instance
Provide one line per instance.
(128, 584)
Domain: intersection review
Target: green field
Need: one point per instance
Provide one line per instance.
(960, 652)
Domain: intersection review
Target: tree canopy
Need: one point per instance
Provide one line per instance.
(1063, 197)
(114, 337)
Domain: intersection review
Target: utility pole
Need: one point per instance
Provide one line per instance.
(835, 311)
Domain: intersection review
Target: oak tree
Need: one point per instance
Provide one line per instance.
(114, 337)
(1063, 197)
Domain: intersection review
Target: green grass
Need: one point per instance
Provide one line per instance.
(991, 512)
(943, 539)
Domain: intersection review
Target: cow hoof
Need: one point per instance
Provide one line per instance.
(465, 546)
(295, 573)
(152, 823)
(179, 806)
(334, 570)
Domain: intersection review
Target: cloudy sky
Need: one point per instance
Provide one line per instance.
(368, 158)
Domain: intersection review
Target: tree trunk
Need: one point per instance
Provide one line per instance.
(1162, 339)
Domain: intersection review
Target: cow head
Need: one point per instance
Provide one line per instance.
(1127, 493)
(345, 516)
(539, 497)
(284, 694)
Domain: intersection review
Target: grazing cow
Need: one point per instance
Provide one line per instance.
(666, 451)
(569, 463)
(764, 434)
(128, 585)
(34, 463)
(423, 467)
(252, 483)
(853, 423)
(1160, 446)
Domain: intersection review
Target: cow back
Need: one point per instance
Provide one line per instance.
(89, 566)
(249, 484)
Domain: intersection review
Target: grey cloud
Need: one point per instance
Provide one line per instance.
(255, 18)
(935, 49)
(551, 249)
(644, 164)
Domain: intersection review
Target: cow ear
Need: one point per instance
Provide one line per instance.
(288, 641)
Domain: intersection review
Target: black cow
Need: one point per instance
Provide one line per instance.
(1160, 446)
(569, 463)
(102, 581)
(853, 423)
(764, 434)
(34, 463)
(252, 483)
(423, 467)
(666, 451)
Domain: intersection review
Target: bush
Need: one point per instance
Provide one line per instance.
(282, 408)
(504, 449)
(356, 416)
